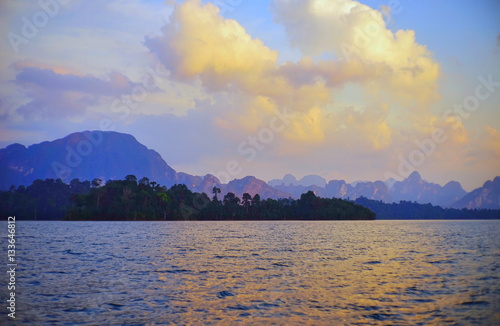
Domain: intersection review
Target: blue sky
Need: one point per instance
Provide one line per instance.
(366, 88)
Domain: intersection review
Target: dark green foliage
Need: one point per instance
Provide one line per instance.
(43, 200)
(131, 199)
(406, 210)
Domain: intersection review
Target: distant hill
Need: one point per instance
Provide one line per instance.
(84, 155)
(340, 189)
(199, 184)
(254, 186)
(307, 181)
(405, 210)
(413, 189)
(487, 196)
(372, 190)
(112, 156)
(108, 156)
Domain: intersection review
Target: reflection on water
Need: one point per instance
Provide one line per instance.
(364, 272)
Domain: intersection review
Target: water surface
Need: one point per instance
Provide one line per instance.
(281, 273)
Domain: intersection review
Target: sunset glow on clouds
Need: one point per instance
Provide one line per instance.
(361, 84)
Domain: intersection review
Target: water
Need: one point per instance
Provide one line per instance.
(281, 273)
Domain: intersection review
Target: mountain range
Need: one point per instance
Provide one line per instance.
(413, 189)
(111, 155)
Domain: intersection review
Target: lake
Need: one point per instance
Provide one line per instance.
(259, 273)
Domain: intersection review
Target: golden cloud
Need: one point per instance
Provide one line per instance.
(199, 44)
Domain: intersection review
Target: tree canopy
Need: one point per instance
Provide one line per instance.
(140, 199)
(405, 210)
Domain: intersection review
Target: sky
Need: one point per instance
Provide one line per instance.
(343, 89)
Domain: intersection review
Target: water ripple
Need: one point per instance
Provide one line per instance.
(293, 273)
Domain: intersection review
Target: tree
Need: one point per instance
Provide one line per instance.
(256, 200)
(144, 181)
(231, 205)
(78, 187)
(96, 183)
(230, 198)
(215, 191)
(124, 200)
(246, 201)
(131, 178)
(164, 201)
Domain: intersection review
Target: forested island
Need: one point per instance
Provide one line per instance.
(138, 200)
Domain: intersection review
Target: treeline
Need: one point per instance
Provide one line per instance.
(132, 199)
(43, 200)
(405, 210)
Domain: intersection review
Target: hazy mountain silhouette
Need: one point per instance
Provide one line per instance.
(112, 155)
(84, 155)
(307, 181)
(253, 186)
(339, 189)
(413, 189)
(487, 196)
(108, 156)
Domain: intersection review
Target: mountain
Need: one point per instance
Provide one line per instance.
(109, 156)
(84, 155)
(248, 184)
(307, 181)
(377, 190)
(337, 189)
(373, 190)
(254, 186)
(414, 188)
(450, 193)
(340, 189)
(296, 191)
(287, 180)
(312, 180)
(390, 182)
(487, 196)
(199, 184)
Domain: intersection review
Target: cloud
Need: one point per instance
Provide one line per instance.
(492, 142)
(198, 42)
(367, 129)
(349, 29)
(115, 84)
(57, 93)
(395, 79)
(20, 65)
(308, 126)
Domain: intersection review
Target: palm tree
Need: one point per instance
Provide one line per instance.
(215, 191)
